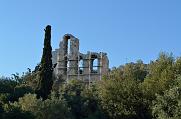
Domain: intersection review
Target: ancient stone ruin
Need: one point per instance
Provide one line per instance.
(71, 64)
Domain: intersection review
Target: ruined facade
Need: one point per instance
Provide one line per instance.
(71, 64)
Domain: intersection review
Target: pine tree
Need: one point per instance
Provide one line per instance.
(45, 81)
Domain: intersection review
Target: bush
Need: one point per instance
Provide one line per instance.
(122, 99)
(49, 109)
(168, 105)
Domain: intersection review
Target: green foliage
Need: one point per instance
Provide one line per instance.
(135, 71)
(11, 90)
(48, 109)
(20, 91)
(7, 85)
(133, 91)
(13, 112)
(91, 108)
(122, 99)
(168, 105)
(5, 97)
(31, 80)
(81, 100)
(45, 81)
(16, 77)
(71, 93)
(161, 75)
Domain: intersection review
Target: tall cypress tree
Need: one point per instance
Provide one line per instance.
(45, 81)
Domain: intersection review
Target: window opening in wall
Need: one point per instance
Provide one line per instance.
(94, 64)
(68, 52)
(81, 66)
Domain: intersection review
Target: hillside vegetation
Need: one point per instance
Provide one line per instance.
(131, 91)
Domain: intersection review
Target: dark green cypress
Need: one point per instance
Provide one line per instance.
(45, 80)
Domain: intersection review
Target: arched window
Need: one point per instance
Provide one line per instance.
(68, 52)
(94, 64)
(81, 68)
(80, 65)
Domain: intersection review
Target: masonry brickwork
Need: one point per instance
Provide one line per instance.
(71, 64)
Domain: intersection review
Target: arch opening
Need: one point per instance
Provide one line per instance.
(94, 64)
(81, 68)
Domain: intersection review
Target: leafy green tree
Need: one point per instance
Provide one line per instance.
(71, 93)
(30, 78)
(115, 73)
(13, 112)
(16, 77)
(177, 67)
(161, 75)
(11, 90)
(5, 98)
(45, 81)
(168, 105)
(122, 99)
(91, 108)
(130, 72)
(7, 85)
(136, 71)
(20, 91)
(53, 108)
(81, 99)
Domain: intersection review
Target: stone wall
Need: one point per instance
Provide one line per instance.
(71, 64)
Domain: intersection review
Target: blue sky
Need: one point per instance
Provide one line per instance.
(127, 30)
